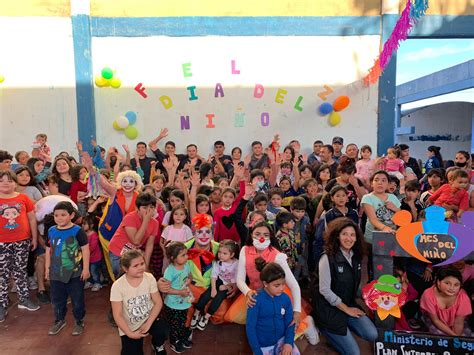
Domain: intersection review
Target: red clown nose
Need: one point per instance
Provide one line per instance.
(261, 240)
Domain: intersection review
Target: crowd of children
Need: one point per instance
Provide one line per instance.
(277, 217)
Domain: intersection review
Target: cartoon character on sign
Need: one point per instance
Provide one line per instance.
(385, 295)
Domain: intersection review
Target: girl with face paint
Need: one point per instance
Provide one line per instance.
(261, 247)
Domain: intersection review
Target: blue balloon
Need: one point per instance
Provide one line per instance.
(325, 108)
(132, 117)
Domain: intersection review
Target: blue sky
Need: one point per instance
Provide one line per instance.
(420, 57)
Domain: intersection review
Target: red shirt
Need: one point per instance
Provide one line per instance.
(120, 238)
(75, 188)
(14, 223)
(445, 194)
(225, 220)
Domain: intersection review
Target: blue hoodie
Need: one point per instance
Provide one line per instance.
(269, 320)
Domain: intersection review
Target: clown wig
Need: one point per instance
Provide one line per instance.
(133, 175)
(201, 220)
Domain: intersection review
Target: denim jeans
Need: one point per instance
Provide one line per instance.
(60, 292)
(95, 272)
(115, 262)
(346, 344)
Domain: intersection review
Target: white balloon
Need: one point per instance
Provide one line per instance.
(122, 122)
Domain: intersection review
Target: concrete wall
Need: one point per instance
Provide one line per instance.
(292, 64)
(446, 125)
(38, 94)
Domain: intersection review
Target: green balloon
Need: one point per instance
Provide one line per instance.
(107, 73)
(131, 132)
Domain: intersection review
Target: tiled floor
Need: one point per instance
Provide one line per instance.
(26, 333)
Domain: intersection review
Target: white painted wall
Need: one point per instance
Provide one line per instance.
(453, 118)
(300, 65)
(38, 94)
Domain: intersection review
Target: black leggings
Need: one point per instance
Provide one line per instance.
(158, 332)
(215, 302)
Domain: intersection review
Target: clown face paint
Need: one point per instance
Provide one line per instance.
(203, 235)
(128, 184)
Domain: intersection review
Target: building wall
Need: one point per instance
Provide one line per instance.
(446, 125)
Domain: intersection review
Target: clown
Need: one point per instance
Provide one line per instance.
(385, 295)
(121, 201)
(202, 252)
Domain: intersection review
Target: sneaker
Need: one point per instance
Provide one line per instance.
(96, 287)
(57, 327)
(177, 347)
(87, 285)
(158, 350)
(29, 305)
(202, 323)
(187, 344)
(43, 297)
(311, 333)
(195, 320)
(3, 314)
(14, 289)
(78, 328)
(32, 284)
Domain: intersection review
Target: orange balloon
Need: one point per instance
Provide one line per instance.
(341, 103)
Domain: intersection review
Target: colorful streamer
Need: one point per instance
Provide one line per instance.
(93, 185)
(411, 14)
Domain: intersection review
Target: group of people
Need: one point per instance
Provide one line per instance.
(187, 239)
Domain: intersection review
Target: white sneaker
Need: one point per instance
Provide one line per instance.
(96, 287)
(87, 285)
(32, 284)
(311, 333)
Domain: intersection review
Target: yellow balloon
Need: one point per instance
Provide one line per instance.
(2, 78)
(116, 126)
(115, 83)
(131, 132)
(334, 119)
(101, 82)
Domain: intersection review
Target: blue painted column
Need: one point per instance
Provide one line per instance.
(81, 33)
(387, 93)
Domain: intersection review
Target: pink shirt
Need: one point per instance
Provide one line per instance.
(253, 274)
(182, 234)
(392, 165)
(460, 308)
(120, 238)
(94, 247)
(365, 168)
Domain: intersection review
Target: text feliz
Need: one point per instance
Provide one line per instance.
(239, 119)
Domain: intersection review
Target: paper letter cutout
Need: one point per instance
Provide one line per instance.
(265, 119)
(219, 91)
(324, 94)
(166, 101)
(297, 104)
(234, 71)
(239, 119)
(192, 96)
(141, 90)
(210, 117)
(187, 70)
(185, 122)
(258, 91)
(280, 96)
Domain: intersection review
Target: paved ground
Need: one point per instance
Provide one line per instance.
(26, 332)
